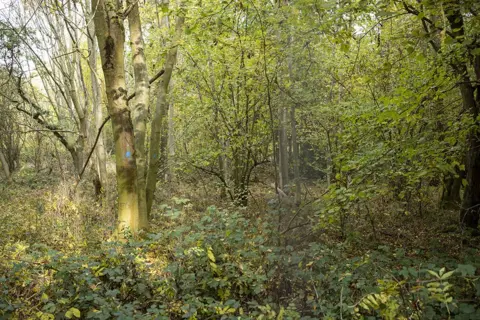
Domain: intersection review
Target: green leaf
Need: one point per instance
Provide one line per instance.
(476, 52)
(344, 47)
(72, 312)
(466, 270)
(447, 275)
(433, 273)
(441, 271)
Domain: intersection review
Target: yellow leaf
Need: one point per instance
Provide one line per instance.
(44, 297)
(210, 254)
(72, 312)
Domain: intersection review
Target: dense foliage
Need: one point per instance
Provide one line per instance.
(244, 159)
(218, 264)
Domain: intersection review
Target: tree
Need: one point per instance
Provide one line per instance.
(462, 53)
(141, 102)
(111, 39)
(101, 161)
(54, 52)
(158, 137)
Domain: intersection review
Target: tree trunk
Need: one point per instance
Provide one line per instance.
(4, 162)
(83, 126)
(451, 191)
(296, 159)
(100, 154)
(283, 148)
(293, 123)
(140, 106)
(171, 140)
(111, 40)
(470, 212)
(159, 124)
(240, 186)
(469, 215)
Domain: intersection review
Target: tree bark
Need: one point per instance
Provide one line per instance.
(451, 190)
(293, 123)
(283, 164)
(4, 162)
(470, 93)
(171, 140)
(283, 148)
(159, 125)
(470, 212)
(111, 41)
(296, 158)
(140, 104)
(100, 154)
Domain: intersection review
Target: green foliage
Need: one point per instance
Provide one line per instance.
(379, 118)
(221, 264)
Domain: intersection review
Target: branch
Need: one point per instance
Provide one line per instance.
(152, 80)
(435, 47)
(93, 147)
(36, 130)
(216, 174)
(415, 12)
(130, 7)
(50, 127)
(37, 115)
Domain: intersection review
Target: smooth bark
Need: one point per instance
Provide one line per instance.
(283, 148)
(159, 123)
(295, 156)
(100, 154)
(111, 40)
(140, 104)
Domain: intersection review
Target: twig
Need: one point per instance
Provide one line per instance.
(93, 147)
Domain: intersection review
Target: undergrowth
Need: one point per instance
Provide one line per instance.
(218, 264)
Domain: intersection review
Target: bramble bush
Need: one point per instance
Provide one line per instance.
(221, 265)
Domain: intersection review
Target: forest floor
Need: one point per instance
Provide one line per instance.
(211, 260)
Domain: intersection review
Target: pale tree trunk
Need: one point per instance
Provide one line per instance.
(170, 138)
(140, 104)
(100, 154)
(80, 144)
(111, 41)
(59, 76)
(68, 63)
(74, 71)
(295, 157)
(282, 137)
(4, 162)
(283, 148)
(295, 147)
(159, 124)
(69, 66)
